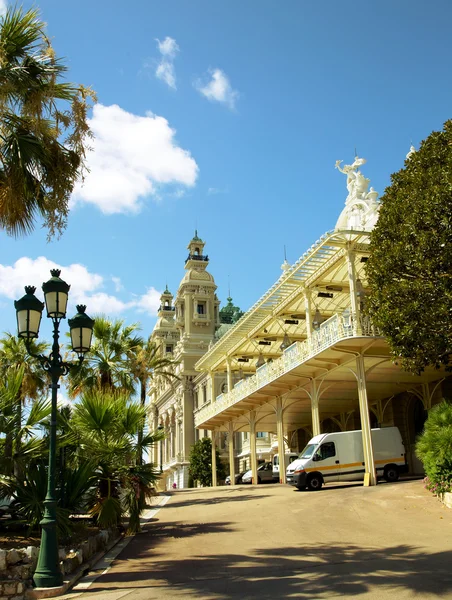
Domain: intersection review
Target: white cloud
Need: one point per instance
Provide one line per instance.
(3, 8)
(131, 157)
(86, 287)
(118, 284)
(27, 271)
(165, 72)
(218, 89)
(101, 303)
(165, 68)
(149, 302)
(168, 47)
(212, 191)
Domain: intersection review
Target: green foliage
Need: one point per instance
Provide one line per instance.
(201, 462)
(105, 425)
(434, 448)
(43, 127)
(107, 364)
(409, 270)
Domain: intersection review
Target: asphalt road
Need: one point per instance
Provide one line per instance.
(272, 541)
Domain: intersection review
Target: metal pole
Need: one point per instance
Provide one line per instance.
(48, 573)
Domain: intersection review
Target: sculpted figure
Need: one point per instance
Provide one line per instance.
(356, 182)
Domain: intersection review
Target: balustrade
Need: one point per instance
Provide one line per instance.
(330, 332)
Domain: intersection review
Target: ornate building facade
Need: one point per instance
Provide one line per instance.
(187, 325)
(312, 360)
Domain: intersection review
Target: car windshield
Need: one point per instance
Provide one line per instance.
(308, 451)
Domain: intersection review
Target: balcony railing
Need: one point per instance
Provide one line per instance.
(202, 257)
(330, 332)
(169, 308)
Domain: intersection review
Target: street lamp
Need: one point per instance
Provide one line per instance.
(161, 428)
(29, 311)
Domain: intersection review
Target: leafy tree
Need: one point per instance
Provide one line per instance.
(409, 269)
(145, 364)
(107, 366)
(43, 127)
(434, 448)
(200, 468)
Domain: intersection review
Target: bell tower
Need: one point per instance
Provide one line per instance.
(197, 305)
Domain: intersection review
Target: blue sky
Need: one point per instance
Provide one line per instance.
(228, 117)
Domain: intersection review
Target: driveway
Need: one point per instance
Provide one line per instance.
(392, 541)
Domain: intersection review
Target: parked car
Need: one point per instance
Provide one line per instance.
(288, 458)
(238, 478)
(339, 457)
(264, 474)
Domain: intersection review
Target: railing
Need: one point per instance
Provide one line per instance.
(174, 461)
(169, 308)
(202, 257)
(330, 332)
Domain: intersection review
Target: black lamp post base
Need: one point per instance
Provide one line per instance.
(48, 572)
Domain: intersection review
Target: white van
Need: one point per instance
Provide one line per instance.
(288, 458)
(339, 457)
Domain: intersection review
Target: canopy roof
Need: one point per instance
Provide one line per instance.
(322, 268)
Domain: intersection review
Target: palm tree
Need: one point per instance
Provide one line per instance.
(146, 363)
(104, 424)
(43, 127)
(106, 366)
(14, 356)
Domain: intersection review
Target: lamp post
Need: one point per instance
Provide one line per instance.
(29, 311)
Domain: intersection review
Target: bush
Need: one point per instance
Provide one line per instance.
(434, 449)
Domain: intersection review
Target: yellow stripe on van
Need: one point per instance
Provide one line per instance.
(357, 464)
(385, 461)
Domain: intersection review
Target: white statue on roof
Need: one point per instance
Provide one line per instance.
(361, 206)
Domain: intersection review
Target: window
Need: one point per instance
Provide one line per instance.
(261, 434)
(168, 349)
(325, 451)
(201, 308)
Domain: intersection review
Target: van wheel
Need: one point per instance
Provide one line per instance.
(314, 482)
(391, 473)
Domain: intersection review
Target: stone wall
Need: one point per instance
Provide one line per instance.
(18, 565)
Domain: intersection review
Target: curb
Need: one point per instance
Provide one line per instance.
(37, 593)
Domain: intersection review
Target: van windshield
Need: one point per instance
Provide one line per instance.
(308, 451)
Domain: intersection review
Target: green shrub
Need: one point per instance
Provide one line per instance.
(434, 448)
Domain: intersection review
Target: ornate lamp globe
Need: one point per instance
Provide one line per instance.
(56, 294)
(29, 312)
(81, 327)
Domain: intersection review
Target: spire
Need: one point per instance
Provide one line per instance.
(285, 266)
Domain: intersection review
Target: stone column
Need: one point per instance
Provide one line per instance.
(231, 452)
(315, 408)
(280, 433)
(229, 374)
(353, 297)
(370, 474)
(253, 445)
(214, 459)
(308, 307)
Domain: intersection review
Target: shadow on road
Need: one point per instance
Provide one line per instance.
(305, 571)
(213, 500)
